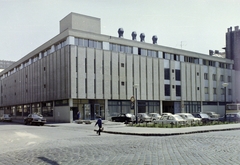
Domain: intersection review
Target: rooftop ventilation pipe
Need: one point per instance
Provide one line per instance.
(154, 39)
(142, 37)
(120, 32)
(210, 52)
(134, 35)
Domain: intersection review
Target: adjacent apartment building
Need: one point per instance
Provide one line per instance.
(83, 70)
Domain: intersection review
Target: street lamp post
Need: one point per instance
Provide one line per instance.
(135, 107)
(225, 98)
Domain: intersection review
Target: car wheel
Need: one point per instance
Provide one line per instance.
(30, 123)
(25, 122)
(42, 124)
(141, 121)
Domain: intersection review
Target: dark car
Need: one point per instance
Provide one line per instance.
(205, 117)
(124, 118)
(35, 119)
(231, 117)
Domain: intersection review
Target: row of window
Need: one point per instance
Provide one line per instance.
(88, 43)
(112, 47)
(214, 77)
(206, 90)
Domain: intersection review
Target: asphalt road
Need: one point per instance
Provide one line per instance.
(66, 145)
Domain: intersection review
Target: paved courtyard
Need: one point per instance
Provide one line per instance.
(66, 145)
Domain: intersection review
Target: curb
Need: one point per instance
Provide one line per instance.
(170, 134)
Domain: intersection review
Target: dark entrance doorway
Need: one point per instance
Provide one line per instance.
(168, 107)
(75, 111)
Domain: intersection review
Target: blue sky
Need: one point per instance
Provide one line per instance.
(194, 25)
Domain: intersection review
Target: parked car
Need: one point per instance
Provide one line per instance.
(143, 117)
(213, 115)
(231, 117)
(171, 119)
(154, 116)
(124, 118)
(6, 117)
(35, 119)
(203, 116)
(166, 113)
(190, 118)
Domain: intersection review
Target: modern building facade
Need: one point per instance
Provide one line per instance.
(83, 70)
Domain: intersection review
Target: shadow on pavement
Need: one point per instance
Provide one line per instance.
(48, 161)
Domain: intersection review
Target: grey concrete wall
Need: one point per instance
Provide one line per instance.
(62, 114)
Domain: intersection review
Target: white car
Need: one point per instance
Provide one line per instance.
(190, 118)
(6, 117)
(166, 113)
(143, 117)
(155, 116)
(171, 119)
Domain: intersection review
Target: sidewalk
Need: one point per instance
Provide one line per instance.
(120, 128)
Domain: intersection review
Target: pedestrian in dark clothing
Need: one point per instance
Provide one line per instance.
(99, 123)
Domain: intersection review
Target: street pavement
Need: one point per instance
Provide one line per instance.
(71, 143)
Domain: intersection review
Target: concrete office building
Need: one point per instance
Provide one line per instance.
(83, 70)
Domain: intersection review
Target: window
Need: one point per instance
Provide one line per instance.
(122, 64)
(178, 75)
(167, 90)
(167, 74)
(122, 83)
(206, 90)
(222, 78)
(178, 90)
(222, 91)
(214, 91)
(229, 91)
(205, 76)
(229, 79)
(214, 77)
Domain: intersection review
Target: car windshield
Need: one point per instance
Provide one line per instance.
(190, 116)
(36, 115)
(178, 117)
(6, 115)
(144, 115)
(204, 115)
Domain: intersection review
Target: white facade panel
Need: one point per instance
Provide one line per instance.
(143, 75)
(149, 78)
(161, 79)
(107, 75)
(90, 74)
(129, 75)
(198, 82)
(172, 81)
(74, 85)
(122, 76)
(135, 50)
(202, 88)
(99, 74)
(193, 81)
(189, 83)
(105, 45)
(81, 57)
(210, 83)
(115, 80)
(136, 74)
(156, 83)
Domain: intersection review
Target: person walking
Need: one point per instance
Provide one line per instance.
(99, 123)
(78, 115)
